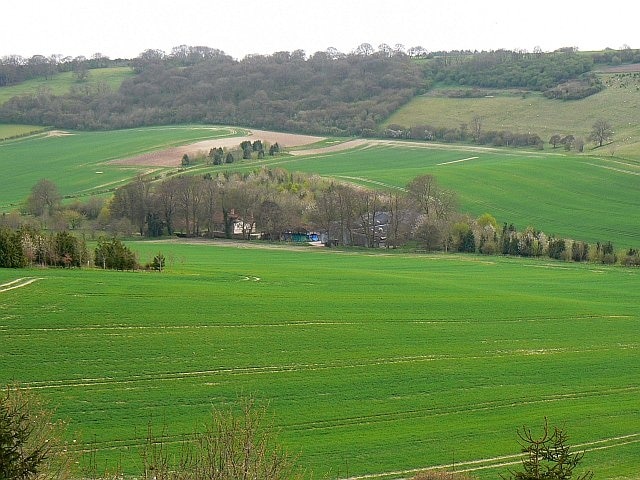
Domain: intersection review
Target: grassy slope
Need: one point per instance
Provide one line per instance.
(61, 83)
(72, 161)
(14, 130)
(370, 363)
(617, 104)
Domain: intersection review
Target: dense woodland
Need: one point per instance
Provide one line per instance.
(328, 92)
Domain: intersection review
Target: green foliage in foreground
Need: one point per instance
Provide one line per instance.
(370, 363)
(31, 440)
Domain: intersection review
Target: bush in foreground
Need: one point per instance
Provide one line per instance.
(235, 444)
(31, 444)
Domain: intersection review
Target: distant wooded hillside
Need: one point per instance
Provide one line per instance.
(328, 93)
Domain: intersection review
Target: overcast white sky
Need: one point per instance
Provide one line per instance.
(124, 28)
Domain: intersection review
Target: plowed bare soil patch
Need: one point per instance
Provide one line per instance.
(172, 157)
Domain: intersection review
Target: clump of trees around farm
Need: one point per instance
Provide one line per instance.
(277, 205)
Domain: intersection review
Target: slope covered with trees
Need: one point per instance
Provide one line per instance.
(328, 92)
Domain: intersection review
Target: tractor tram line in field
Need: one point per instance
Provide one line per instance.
(18, 283)
(462, 466)
(306, 367)
(497, 462)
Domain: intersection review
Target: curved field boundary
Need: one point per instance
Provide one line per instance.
(171, 157)
(18, 283)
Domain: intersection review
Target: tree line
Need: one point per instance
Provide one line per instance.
(275, 205)
(28, 247)
(601, 133)
(15, 69)
(535, 71)
(333, 95)
(328, 92)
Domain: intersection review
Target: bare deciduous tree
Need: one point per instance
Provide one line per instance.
(44, 198)
(601, 132)
(235, 445)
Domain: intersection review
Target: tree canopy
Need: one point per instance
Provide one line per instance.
(327, 92)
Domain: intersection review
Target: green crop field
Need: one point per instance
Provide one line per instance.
(79, 162)
(62, 83)
(370, 363)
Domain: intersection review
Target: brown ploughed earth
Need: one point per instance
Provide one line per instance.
(172, 157)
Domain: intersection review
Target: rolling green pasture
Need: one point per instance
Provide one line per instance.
(78, 163)
(583, 197)
(61, 83)
(370, 363)
(619, 104)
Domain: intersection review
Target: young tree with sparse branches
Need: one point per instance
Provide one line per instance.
(547, 457)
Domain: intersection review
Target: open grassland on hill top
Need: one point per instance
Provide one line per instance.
(619, 104)
(62, 83)
(370, 363)
(13, 131)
